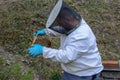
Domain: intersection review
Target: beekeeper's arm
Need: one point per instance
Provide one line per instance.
(73, 50)
(52, 32)
(75, 47)
(46, 31)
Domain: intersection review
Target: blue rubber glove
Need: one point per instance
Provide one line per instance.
(35, 50)
(39, 32)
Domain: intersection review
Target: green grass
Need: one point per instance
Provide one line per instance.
(13, 71)
(19, 18)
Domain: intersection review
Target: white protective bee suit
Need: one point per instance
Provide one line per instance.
(78, 52)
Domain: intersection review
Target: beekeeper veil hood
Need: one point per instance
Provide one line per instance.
(63, 19)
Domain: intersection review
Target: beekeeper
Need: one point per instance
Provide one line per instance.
(78, 52)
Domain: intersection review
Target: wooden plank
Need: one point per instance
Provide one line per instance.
(110, 64)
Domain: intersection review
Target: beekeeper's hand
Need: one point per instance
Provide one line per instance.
(40, 32)
(36, 50)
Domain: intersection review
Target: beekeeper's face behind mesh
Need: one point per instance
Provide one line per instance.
(66, 21)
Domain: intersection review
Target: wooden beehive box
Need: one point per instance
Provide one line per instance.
(111, 64)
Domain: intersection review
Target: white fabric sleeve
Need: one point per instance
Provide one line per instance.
(70, 53)
(51, 32)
